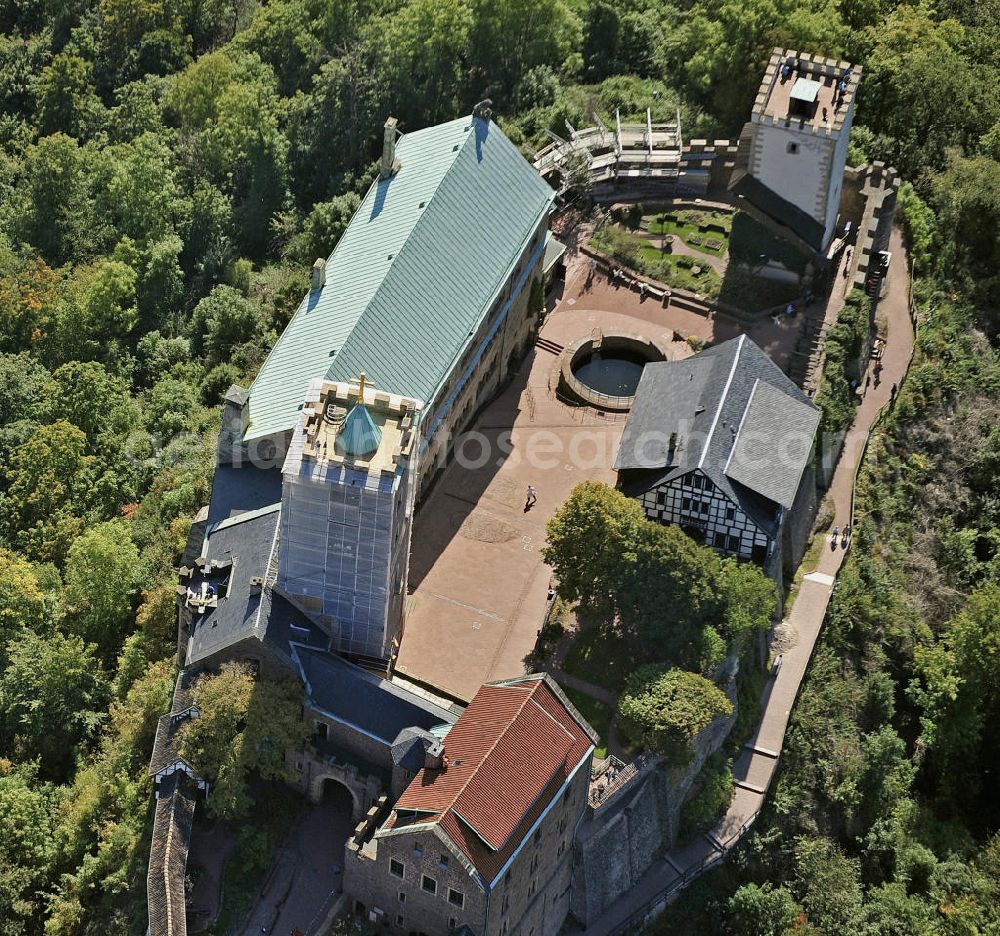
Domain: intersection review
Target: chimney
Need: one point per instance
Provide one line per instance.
(434, 756)
(389, 165)
(319, 273)
(672, 448)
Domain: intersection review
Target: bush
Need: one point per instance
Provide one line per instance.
(712, 799)
(666, 709)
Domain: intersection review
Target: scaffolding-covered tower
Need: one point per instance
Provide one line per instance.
(346, 510)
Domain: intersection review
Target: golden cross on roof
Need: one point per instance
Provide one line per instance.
(361, 388)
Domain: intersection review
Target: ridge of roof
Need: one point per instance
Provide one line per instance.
(485, 757)
(722, 398)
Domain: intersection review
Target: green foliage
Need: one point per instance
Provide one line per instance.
(715, 788)
(842, 363)
(245, 726)
(666, 709)
(53, 694)
(761, 910)
(617, 564)
(102, 578)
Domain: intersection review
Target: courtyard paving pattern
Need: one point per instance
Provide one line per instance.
(477, 580)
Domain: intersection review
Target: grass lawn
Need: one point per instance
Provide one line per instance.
(597, 713)
(687, 228)
(673, 269)
(603, 661)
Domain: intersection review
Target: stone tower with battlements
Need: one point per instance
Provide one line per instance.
(798, 131)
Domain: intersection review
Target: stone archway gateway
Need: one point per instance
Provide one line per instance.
(334, 774)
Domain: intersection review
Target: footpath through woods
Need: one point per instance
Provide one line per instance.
(758, 762)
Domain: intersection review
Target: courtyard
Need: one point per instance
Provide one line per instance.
(478, 585)
(707, 248)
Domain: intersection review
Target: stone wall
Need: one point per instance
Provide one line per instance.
(617, 845)
(799, 520)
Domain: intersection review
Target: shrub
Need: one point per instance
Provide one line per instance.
(666, 709)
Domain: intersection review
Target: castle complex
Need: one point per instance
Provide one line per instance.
(466, 817)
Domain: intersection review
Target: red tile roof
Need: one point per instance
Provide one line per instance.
(505, 758)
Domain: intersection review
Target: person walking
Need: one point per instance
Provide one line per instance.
(834, 537)
(531, 499)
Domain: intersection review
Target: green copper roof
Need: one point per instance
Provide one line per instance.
(359, 436)
(417, 269)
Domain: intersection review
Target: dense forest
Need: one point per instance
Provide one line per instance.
(168, 171)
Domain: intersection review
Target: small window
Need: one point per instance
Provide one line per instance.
(686, 503)
(696, 482)
(719, 541)
(456, 898)
(443, 861)
(730, 513)
(399, 919)
(792, 148)
(417, 850)
(709, 486)
(702, 507)
(322, 731)
(452, 923)
(734, 544)
(429, 884)
(396, 868)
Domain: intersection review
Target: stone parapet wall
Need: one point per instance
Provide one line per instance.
(617, 845)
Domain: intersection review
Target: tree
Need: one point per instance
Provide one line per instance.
(959, 693)
(53, 693)
(761, 910)
(22, 603)
(322, 229)
(22, 381)
(510, 37)
(828, 885)
(244, 726)
(46, 478)
(423, 50)
(102, 579)
(591, 543)
(666, 710)
(66, 95)
(221, 321)
(93, 400)
(27, 846)
(55, 211)
(28, 301)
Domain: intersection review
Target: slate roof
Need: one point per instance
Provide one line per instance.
(417, 269)
(706, 402)
(239, 490)
(506, 757)
(361, 699)
(409, 750)
(774, 443)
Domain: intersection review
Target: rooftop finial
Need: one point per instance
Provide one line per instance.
(361, 387)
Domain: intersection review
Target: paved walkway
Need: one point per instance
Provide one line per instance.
(305, 877)
(755, 768)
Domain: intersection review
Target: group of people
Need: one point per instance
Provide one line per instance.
(843, 539)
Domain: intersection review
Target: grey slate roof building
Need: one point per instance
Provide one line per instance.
(718, 444)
